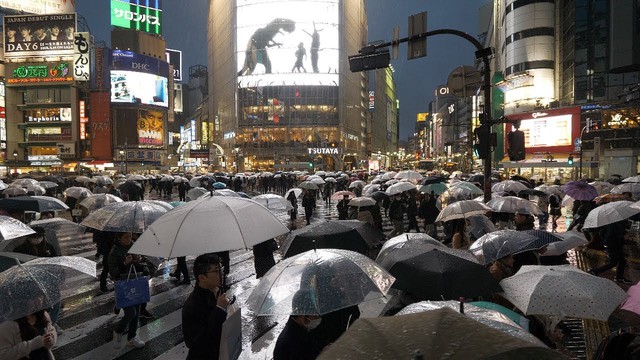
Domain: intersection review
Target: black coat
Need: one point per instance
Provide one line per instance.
(295, 343)
(202, 324)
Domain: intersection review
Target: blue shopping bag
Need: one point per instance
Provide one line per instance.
(132, 291)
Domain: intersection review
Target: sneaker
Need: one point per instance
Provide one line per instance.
(135, 342)
(145, 314)
(118, 341)
(623, 281)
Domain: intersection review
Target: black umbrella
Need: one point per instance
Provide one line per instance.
(479, 178)
(437, 273)
(53, 178)
(130, 187)
(432, 180)
(10, 259)
(352, 235)
(379, 195)
(531, 192)
(32, 203)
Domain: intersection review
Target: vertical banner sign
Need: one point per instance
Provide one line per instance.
(143, 15)
(82, 110)
(81, 56)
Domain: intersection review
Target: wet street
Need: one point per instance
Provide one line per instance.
(88, 319)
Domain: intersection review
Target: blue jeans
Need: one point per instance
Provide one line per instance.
(130, 318)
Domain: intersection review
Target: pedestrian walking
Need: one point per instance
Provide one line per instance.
(613, 237)
(181, 269)
(412, 211)
(343, 208)
(554, 211)
(205, 310)
(294, 203)
(308, 203)
(263, 256)
(396, 214)
(296, 342)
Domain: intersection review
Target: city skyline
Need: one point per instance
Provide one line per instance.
(415, 84)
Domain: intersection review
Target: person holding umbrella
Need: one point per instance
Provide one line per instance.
(396, 213)
(294, 203)
(205, 310)
(32, 336)
(613, 237)
(296, 342)
(308, 203)
(343, 208)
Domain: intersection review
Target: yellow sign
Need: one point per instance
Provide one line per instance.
(422, 117)
(150, 127)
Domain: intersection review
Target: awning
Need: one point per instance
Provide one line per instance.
(553, 160)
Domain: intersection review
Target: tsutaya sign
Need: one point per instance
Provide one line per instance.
(323, 151)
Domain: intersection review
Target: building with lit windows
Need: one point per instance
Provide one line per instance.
(281, 93)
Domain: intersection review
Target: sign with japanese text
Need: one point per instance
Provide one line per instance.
(39, 6)
(143, 15)
(144, 155)
(38, 35)
(81, 57)
(66, 148)
(56, 72)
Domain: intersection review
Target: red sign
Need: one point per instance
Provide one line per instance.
(100, 125)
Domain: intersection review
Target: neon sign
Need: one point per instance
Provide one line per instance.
(41, 73)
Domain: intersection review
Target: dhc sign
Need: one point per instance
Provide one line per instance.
(323, 151)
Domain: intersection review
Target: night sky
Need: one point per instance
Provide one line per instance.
(185, 29)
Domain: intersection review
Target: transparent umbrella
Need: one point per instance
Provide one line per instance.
(196, 192)
(400, 187)
(14, 191)
(36, 285)
(273, 202)
(82, 179)
(48, 184)
(513, 204)
(408, 239)
(461, 210)
(317, 282)
(129, 216)
(97, 201)
(77, 192)
(508, 185)
(501, 243)
(11, 228)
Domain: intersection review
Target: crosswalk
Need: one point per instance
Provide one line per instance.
(88, 319)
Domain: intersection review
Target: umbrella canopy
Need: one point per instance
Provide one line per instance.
(273, 202)
(216, 223)
(461, 210)
(36, 190)
(11, 228)
(610, 213)
(352, 235)
(36, 285)
(570, 240)
(602, 187)
(607, 198)
(562, 291)
(130, 187)
(319, 282)
(632, 179)
(161, 203)
(551, 189)
(196, 192)
(297, 192)
(435, 272)
(308, 185)
(317, 181)
(436, 334)
(632, 303)
(370, 189)
(14, 191)
(400, 187)
(512, 315)
(501, 243)
(128, 216)
(580, 190)
(633, 188)
(432, 180)
(136, 177)
(33, 203)
(82, 179)
(97, 201)
(513, 204)
(408, 239)
(77, 192)
(11, 259)
(25, 182)
(437, 188)
(48, 184)
(379, 195)
(409, 175)
(362, 201)
(356, 184)
(58, 228)
(219, 185)
(487, 316)
(480, 225)
(508, 185)
(339, 195)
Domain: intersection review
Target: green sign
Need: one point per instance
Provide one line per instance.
(127, 15)
(40, 73)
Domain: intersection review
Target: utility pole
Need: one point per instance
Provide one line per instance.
(377, 56)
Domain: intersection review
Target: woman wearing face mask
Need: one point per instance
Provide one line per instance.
(296, 342)
(36, 245)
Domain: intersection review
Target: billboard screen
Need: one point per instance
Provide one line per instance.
(174, 57)
(143, 15)
(39, 6)
(39, 35)
(139, 88)
(287, 42)
(150, 127)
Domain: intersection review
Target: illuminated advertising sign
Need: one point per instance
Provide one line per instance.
(177, 98)
(55, 72)
(143, 15)
(174, 57)
(422, 117)
(150, 127)
(39, 6)
(38, 35)
(42, 115)
(547, 131)
(287, 42)
(128, 60)
(139, 88)
(81, 56)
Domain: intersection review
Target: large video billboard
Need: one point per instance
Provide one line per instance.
(139, 79)
(150, 127)
(287, 42)
(39, 35)
(39, 6)
(143, 15)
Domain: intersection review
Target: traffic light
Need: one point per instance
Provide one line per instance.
(483, 141)
(516, 145)
(570, 160)
(375, 60)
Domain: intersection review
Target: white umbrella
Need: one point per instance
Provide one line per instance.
(508, 185)
(321, 173)
(388, 175)
(331, 279)
(551, 189)
(221, 192)
(127, 216)
(44, 184)
(36, 190)
(82, 179)
(296, 191)
(14, 191)
(77, 192)
(610, 213)
(400, 187)
(96, 201)
(4, 186)
(633, 188)
(409, 175)
(330, 179)
(513, 204)
(632, 179)
(308, 185)
(273, 202)
(461, 210)
(11, 228)
(216, 223)
(317, 181)
(562, 291)
(24, 182)
(195, 181)
(137, 177)
(391, 182)
(602, 187)
(196, 192)
(362, 201)
(356, 183)
(570, 240)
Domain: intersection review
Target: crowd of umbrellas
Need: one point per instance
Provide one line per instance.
(342, 262)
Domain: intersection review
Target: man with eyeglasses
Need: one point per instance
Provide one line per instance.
(205, 310)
